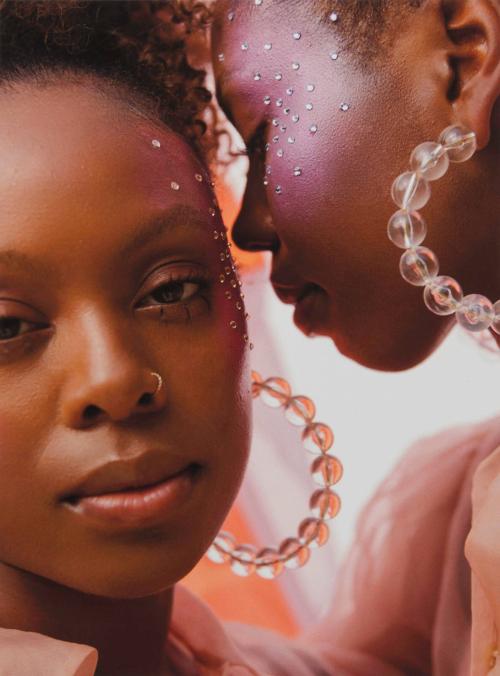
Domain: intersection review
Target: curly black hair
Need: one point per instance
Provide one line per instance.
(137, 44)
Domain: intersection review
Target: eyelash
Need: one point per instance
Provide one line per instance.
(256, 144)
(174, 311)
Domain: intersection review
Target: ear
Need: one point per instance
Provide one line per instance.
(473, 27)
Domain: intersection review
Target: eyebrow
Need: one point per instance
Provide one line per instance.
(182, 216)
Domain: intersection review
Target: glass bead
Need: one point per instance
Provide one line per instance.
(317, 438)
(324, 504)
(221, 548)
(295, 553)
(431, 160)
(496, 317)
(419, 266)
(460, 143)
(243, 560)
(275, 392)
(300, 411)
(406, 229)
(313, 533)
(268, 564)
(409, 191)
(326, 471)
(475, 313)
(443, 295)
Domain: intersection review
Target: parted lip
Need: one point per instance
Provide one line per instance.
(291, 294)
(139, 471)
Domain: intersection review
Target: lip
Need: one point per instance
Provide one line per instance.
(140, 492)
(308, 300)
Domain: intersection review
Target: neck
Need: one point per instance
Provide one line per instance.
(130, 635)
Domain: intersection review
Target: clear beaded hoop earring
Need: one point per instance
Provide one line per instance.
(326, 471)
(419, 265)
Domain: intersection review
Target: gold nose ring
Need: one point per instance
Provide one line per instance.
(159, 382)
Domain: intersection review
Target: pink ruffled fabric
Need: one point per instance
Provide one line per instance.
(403, 600)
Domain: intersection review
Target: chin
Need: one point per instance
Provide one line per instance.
(394, 352)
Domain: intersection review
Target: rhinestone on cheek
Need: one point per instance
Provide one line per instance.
(156, 143)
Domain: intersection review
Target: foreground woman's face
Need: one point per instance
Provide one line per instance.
(326, 138)
(111, 260)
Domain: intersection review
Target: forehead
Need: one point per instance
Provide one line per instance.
(255, 46)
(74, 138)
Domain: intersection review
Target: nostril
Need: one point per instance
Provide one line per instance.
(91, 412)
(146, 399)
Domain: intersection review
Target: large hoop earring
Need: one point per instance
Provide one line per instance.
(326, 470)
(419, 265)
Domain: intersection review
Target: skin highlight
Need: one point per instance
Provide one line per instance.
(115, 275)
(326, 227)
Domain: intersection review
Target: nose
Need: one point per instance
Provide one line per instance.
(108, 379)
(254, 229)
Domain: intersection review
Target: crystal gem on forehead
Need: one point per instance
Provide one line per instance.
(279, 102)
(156, 143)
(286, 111)
(174, 185)
(296, 35)
(295, 65)
(283, 128)
(268, 46)
(257, 77)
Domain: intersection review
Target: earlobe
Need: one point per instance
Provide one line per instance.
(473, 28)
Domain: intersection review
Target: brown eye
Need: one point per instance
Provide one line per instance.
(9, 327)
(175, 292)
(13, 327)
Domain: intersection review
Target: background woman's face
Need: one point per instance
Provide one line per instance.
(326, 139)
(111, 260)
